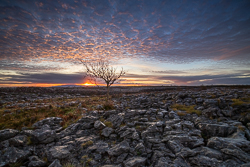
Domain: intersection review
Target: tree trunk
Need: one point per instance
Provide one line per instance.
(108, 92)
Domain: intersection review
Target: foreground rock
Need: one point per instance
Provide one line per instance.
(150, 133)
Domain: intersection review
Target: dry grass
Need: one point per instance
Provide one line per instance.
(187, 109)
(108, 124)
(88, 143)
(19, 117)
(181, 113)
(242, 101)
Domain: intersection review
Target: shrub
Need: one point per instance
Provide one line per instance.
(108, 106)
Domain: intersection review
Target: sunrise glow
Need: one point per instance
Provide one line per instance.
(156, 42)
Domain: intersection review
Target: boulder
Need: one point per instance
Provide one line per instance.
(116, 119)
(58, 152)
(201, 160)
(18, 141)
(100, 147)
(180, 162)
(99, 125)
(219, 143)
(87, 122)
(55, 163)
(107, 131)
(120, 148)
(135, 162)
(13, 155)
(52, 122)
(236, 152)
(163, 162)
(220, 130)
(36, 162)
(43, 135)
(7, 133)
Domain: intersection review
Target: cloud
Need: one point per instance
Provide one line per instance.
(236, 78)
(52, 78)
(176, 32)
(168, 31)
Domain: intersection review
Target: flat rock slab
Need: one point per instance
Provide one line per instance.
(135, 162)
(7, 133)
(59, 152)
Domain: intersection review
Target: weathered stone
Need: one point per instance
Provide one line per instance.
(87, 122)
(43, 135)
(212, 130)
(227, 113)
(13, 155)
(186, 152)
(174, 146)
(180, 162)
(230, 163)
(245, 165)
(210, 102)
(210, 112)
(18, 140)
(36, 162)
(52, 122)
(58, 152)
(201, 160)
(55, 163)
(120, 148)
(99, 125)
(85, 139)
(221, 143)
(245, 119)
(107, 131)
(199, 100)
(99, 147)
(236, 152)
(7, 133)
(135, 162)
(173, 115)
(121, 158)
(163, 162)
(116, 119)
(140, 148)
(209, 152)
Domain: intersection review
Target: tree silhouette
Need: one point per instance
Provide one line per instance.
(102, 70)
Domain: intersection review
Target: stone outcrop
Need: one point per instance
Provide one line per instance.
(144, 130)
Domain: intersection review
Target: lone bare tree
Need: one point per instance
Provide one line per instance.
(102, 70)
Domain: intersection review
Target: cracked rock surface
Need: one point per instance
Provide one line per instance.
(144, 130)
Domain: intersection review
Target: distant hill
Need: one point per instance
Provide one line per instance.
(61, 86)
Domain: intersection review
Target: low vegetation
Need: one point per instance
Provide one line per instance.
(70, 110)
(88, 143)
(241, 101)
(187, 109)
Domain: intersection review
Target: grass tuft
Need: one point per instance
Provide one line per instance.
(242, 101)
(181, 113)
(88, 143)
(108, 106)
(188, 109)
(68, 165)
(108, 124)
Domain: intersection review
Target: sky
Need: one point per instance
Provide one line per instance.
(156, 42)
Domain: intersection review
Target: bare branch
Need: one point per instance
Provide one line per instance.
(101, 69)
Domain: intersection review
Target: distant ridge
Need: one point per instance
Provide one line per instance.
(68, 86)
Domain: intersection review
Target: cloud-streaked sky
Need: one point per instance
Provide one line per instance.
(157, 42)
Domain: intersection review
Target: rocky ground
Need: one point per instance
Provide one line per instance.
(144, 130)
